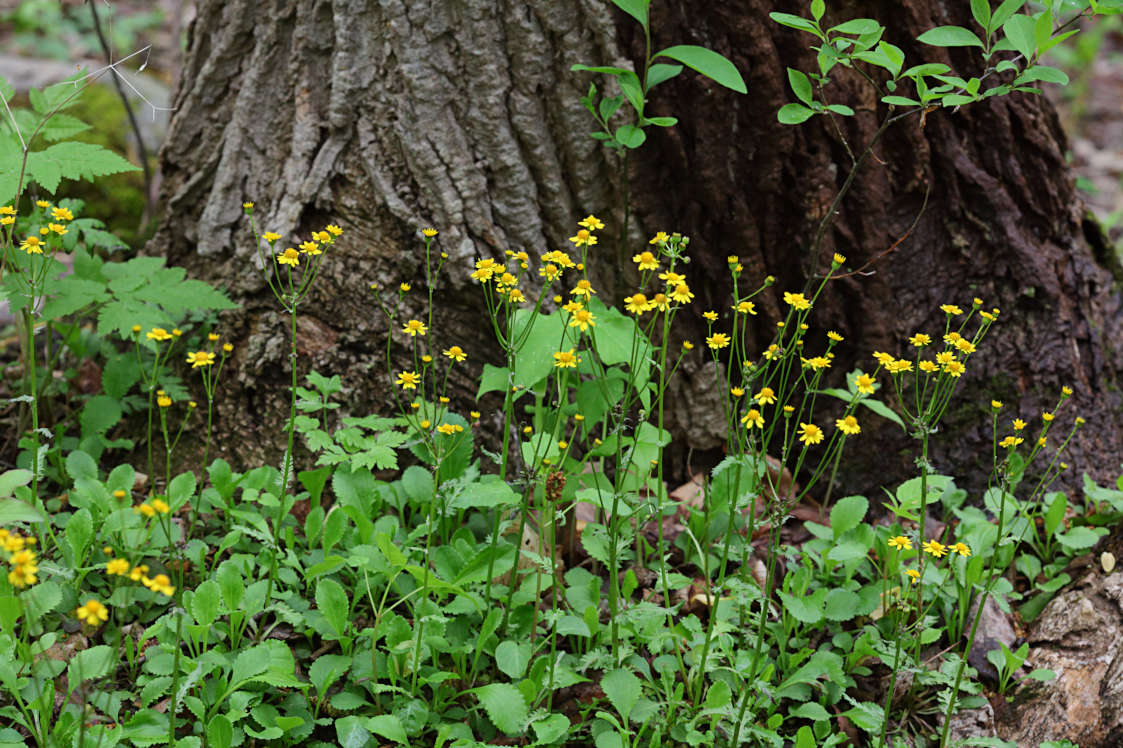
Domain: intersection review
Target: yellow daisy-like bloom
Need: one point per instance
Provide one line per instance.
(62, 214)
(289, 257)
(766, 396)
(428, 233)
(745, 307)
(33, 245)
(809, 433)
(711, 316)
(772, 353)
(659, 238)
(92, 613)
(271, 236)
(58, 228)
(227, 347)
(920, 340)
(952, 338)
(572, 306)
(838, 259)
(899, 366)
(736, 391)
(583, 288)
(160, 506)
(944, 358)
(848, 425)
(753, 418)
(1019, 424)
(672, 278)
(832, 335)
(583, 320)
(176, 332)
(7, 210)
(901, 543)
(474, 415)
(549, 271)
(661, 302)
(486, 268)
(815, 363)
(310, 248)
(965, 346)
(515, 296)
(591, 222)
(951, 309)
(118, 566)
(247, 206)
(637, 304)
(1047, 416)
(404, 287)
(935, 548)
(334, 230)
(961, 549)
(864, 383)
(955, 369)
(796, 301)
(7, 220)
(1066, 391)
(200, 358)
(144, 509)
(164, 401)
(928, 367)
(883, 358)
(996, 404)
(913, 574)
(408, 380)
(717, 340)
(566, 359)
(560, 259)
(687, 345)
(682, 294)
(646, 261)
(159, 583)
(119, 494)
(137, 572)
(583, 238)
(415, 327)
(456, 353)
(987, 316)
(213, 337)
(1010, 441)
(446, 429)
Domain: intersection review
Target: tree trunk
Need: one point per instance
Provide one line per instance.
(386, 117)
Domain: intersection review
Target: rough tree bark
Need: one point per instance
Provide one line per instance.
(385, 117)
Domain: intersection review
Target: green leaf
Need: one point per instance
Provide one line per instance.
(99, 414)
(980, 9)
(623, 689)
(804, 610)
(205, 602)
(801, 85)
(389, 727)
(551, 729)
(707, 62)
(493, 379)
(841, 605)
(10, 479)
(630, 136)
(41, 599)
(847, 513)
(90, 664)
(883, 410)
(1019, 30)
(858, 26)
(1003, 12)
(512, 658)
(220, 733)
(663, 121)
(535, 358)
(1079, 538)
(489, 491)
(331, 600)
(661, 72)
(812, 711)
(1042, 73)
(637, 9)
(249, 664)
(79, 533)
(950, 36)
(900, 101)
(73, 160)
(842, 109)
(794, 22)
(818, 8)
(69, 294)
(793, 114)
(350, 732)
(505, 706)
(14, 510)
(326, 670)
(62, 126)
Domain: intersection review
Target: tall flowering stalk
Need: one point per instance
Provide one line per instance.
(290, 274)
(204, 361)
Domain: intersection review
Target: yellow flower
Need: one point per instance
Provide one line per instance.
(838, 259)
(474, 414)
(637, 304)
(662, 303)
(212, 337)
(289, 257)
(515, 296)
(118, 566)
(961, 548)
(591, 222)
(935, 548)
(965, 346)
(227, 347)
(717, 340)
(176, 332)
(1047, 416)
(952, 338)
(831, 334)
(549, 271)
(745, 307)
(164, 401)
(711, 316)
(582, 319)
(901, 543)
(7, 210)
(403, 287)
(753, 418)
(334, 230)
(736, 391)
(1066, 391)
(646, 261)
(92, 613)
(137, 572)
(766, 396)
(456, 353)
(270, 236)
(200, 358)
(446, 429)
(796, 301)
(1019, 424)
(920, 340)
(33, 245)
(58, 228)
(996, 404)
(583, 288)
(558, 258)
(566, 359)
(951, 309)
(815, 363)
(160, 506)
(7, 220)
(563, 444)
(414, 328)
(810, 433)
(955, 369)
(928, 366)
(883, 358)
(944, 358)
(898, 366)
(682, 294)
(144, 509)
(659, 238)
(429, 233)
(310, 248)
(583, 238)
(62, 214)
(687, 345)
(247, 207)
(672, 278)
(408, 380)
(1010, 441)
(848, 425)
(119, 494)
(864, 383)
(159, 583)
(914, 574)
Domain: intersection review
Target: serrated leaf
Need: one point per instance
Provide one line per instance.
(14, 510)
(73, 160)
(11, 479)
(90, 664)
(623, 689)
(389, 727)
(707, 62)
(327, 669)
(847, 513)
(802, 609)
(841, 605)
(950, 36)
(331, 600)
(62, 126)
(205, 602)
(505, 706)
(68, 295)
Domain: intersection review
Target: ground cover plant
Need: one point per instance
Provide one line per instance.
(552, 590)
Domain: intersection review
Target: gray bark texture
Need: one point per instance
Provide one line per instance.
(387, 116)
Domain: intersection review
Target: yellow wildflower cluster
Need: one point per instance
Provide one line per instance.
(152, 507)
(160, 583)
(311, 248)
(24, 565)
